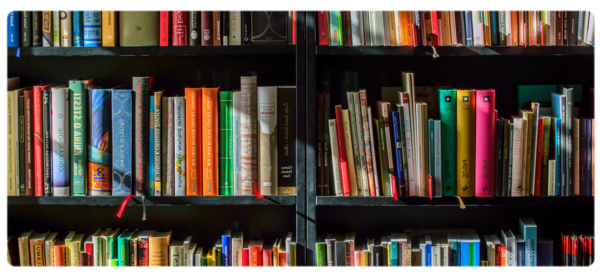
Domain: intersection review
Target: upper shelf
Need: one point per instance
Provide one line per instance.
(452, 51)
(153, 200)
(154, 51)
(453, 201)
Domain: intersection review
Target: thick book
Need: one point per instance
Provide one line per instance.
(286, 140)
(92, 28)
(77, 25)
(47, 36)
(249, 143)
(323, 28)
(109, 30)
(465, 116)
(47, 136)
(529, 232)
(28, 142)
(210, 134)
(13, 29)
(193, 141)
(178, 162)
(237, 143)
(122, 142)
(335, 157)
(180, 28)
(37, 22)
(360, 141)
(383, 157)
(384, 112)
(206, 27)
(448, 114)
(38, 138)
(78, 128)
(194, 28)
(99, 149)
(158, 248)
(164, 28)
(16, 167)
(334, 29)
(267, 138)
(484, 142)
(138, 29)
(156, 123)
(226, 146)
(235, 28)
(141, 94)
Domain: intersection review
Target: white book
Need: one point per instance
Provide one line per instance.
(586, 21)
(507, 20)
(477, 28)
(511, 247)
(235, 30)
(552, 177)
(237, 149)
(454, 40)
(179, 142)
(60, 141)
(517, 157)
(590, 30)
(186, 246)
(361, 144)
(422, 245)
(444, 251)
(248, 131)
(373, 28)
(198, 256)
(373, 151)
(546, 29)
(409, 149)
(335, 157)
(398, 29)
(436, 254)
(237, 244)
(97, 247)
(380, 28)
(355, 20)
(267, 123)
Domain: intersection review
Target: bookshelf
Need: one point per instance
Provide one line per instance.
(338, 69)
(153, 201)
(155, 51)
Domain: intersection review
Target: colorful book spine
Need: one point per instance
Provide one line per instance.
(66, 28)
(78, 128)
(20, 143)
(226, 255)
(179, 143)
(210, 145)
(157, 152)
(92, 28)
(345, 178)
(13, 29)
(484, 142)
(109, 29)
(77, 26)
(335, 158)
(28, 139)
(151, 147)
(334, 29)
(122, 142)
(47, 36)
(141, 91)
(13, 144)
(236, 135)
(164, 36)
(248, 136)
(383, 157)
(558, 153)
(438, 158)
(47, 134)
(431, 154)
(193, 149)
(206, 26)
(529, 232)
(360, 145)
(180, 28)
(168, 165)
(226, 179)
(412, 191)
(352, 180)
(448, 114)
(217, 28)
(99, 149)
(286, 140)
(323, 28)
(369, 155)
(38, 140)
(398, 126)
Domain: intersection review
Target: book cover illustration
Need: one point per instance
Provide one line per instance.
(99, 155)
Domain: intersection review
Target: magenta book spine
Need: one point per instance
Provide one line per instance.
(485, 105)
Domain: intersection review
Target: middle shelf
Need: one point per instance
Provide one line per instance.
(153, 200)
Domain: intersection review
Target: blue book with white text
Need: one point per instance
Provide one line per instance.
(226, 248)
(77, 26)
(13, 29)
(398, 148)
(558, 157)
(529, 232)
(122, 142)
(469, 28)
(92, 28)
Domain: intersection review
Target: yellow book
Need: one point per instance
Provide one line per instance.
(76, 246)
(488, 28)
(527, 128)
(109, 28)
(68, 248)
(276, 247)
(465, 114)
(210, 261)
(404, 27)
(349, 153)
(365, 257)
(446, 32)
(158, 246)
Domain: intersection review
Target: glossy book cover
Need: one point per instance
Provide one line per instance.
(99, 155)
(122, 141)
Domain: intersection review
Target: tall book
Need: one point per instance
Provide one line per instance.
(109, 29)
(38, 138)
(168, 148)
(141, 92)
(246, 27)
(143, 248)
(237, 152)
(47, 36)
(151, 146)
(559, 110)
(397, 147)
(408, 128)
(122, 142)
(517, 155)
(180, 28)
(99, 149)
(92, 28)
(384, 112)
(235, 30)
(210, 145)
(249, 145)
(138, 29)
(335, 158)
(226, 179)
(352, 178)
(46, 134)
(179, 152)
(267, 137)
(355, 144)
(343, 163)
(28, 142)
(448, 114)
(206, 27)
(193, 141)
(225, 28)
(194, 28)
(358, 124)
(286, 140)
(156, 122)
(123, 247)
(78, 129)
(25, 34)
(13, 29)
(77, 25)
(368, 142)
(334, 29)
(164, 28)
(37, 22)
(66, 31)
(216, 18)
(327, 186)
(484, 142)
(568, 93)
(60, 138)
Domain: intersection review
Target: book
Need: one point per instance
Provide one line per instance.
(448, 117)
(352, 122)
(180, 28)
(216, 18)
(36, 248)
(164, 28)
(206, 26)
(235, 30)
(47, 36)
(484, 154)
(28, 142)
(141, 94)
(351, 168)
(77, 25)
(158, 248)
(236, 135)
(248, 135)
(66, 30)
(343, 163)
(143, 250)
(255, 252)
(335, 158)
(36, 28)
(92, 28)
(267, 138)
(138, 29)
(26, 29)
(156, 122)
(210, 145)
(109, 29)
(14, 31)
(246, 27)
(178, 162)
(78, 127)
(193, 142)
(123, 247)
(334, 29)
(176, 253)
(122, 141)
(38, 139)
(360, 141)
(398, 127)
(185, 250)
(99, 150)
(327, 186)
(529, 232)
(225, 28)
(286, 140)
(369, 145)
(226, 146)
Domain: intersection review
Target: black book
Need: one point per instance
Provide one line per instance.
(47, 120)
(286, 138)
(573, 27)
(526, 17)
(502, 27)
(495, 38)
(459, 17)
(268, 28)
(545, 250)
(418, 25)
(565, 28)
(37, 25)
(246, 27)
(377, 255)
(320, 144)
(26, 29)
(22, 144)
(141, 90)
(225, 28)
(340, 251)
(195, 28)
(290, 26)
(499, 156)
(326, 146)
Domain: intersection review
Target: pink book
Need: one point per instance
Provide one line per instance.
(357, 257)
(164, 28)
(485, 104)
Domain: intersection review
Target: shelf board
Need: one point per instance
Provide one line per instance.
(154, 51)
(452, 51)
(153, 200)
(453, 201)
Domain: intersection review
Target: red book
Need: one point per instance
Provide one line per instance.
(206, 26)
(164, 28)
(294, 27)
(282, 258)
(255, 253)
(498, 250)
(342, 148)
(28, 138)
(267, 257)
(89, 254)
(38, 144)
(538, 156)
(323, 29)
(245, 254)
(435, 30)
(181, 21)
(348, 29)
(485, 105)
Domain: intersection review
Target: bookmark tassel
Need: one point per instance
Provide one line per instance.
(462, 205)
(435, 54)
(123, 204)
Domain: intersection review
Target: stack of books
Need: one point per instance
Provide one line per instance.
(164, 28)
(577, 247)
(84, 139)
(440, 141)
(113, 247)
(455, 28)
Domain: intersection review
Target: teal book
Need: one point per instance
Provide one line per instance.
(431, 153)
(394, 258)
(334, 29)
(77, 135)
(151, 146)
(447, 107)
(543, 94)
(529, 232)
(383, 157)
(226, 143)
(123, 247)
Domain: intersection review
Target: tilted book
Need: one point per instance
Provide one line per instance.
(286, 141)
(179, 146)
(226, 143)
(99, 156)
(354, 139)
(122, 142)
(343, 165)
(364, 174)
(193, 141)
(352, 180)
(267, 120)
(484, 142)
(210, 144)
(248, 129)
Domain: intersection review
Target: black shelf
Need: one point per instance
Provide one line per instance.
(153, 200)
(453, 201)
(155, 51)
(451, 51)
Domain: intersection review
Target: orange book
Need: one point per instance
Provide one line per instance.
(514, 27)
(59, 253)
(392, 22)
(210, 133)
(193, 139)
(109, 28)
(503, 258)
(404, 24)
(410, 29)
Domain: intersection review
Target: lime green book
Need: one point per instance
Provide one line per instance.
(111, 240)
(226, 143)
(447, 107)
(321, 251)
(114, 262)
(340, 29)
(123, 247)
(383, 160)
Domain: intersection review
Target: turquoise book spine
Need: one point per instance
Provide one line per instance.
(334, 29)
(447, 105)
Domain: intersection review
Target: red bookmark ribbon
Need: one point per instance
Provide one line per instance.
(123, 204)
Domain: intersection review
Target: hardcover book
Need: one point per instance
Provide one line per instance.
(37, 22)
(47, 36)
(217, 28)
(143, 250)
(206, 26)
(267, 110)
(168, 147)
(237, 153)
(28, 139)
(448, 115)
(109, 29)
(38, 139)
(246, 27)
(13, 29)
(92, 28)
(335, 158)
(226, 146)
(26, 29)
(56, 28)
(484, 142)
(158, 248)
(286, 140)
(235, 28)
(157, 152)
(194, 28)
(164, 28)
(248, 128)
(210, 134)
(46, 134)
(141, 93)
(193, 143)
(352, 179)
(122, 142)
(138, 29)
(77, 28)
(99, 149)
(180, 28)
(66, 31)
(179, 187)
(269, 27)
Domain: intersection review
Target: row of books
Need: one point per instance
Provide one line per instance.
(577, 247)
(455, 28)
(164, 28)
(112, 247)
(461, 147)
(83, 139)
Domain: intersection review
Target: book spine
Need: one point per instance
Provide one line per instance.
(56, 28)
(109, 29)
(123, 249)
(464, 140)
(369, 155)
(568, 93)
(26, 29)
(484, 154)
(538, 155)
(267, 120)
(340, 28)
(468, 18)
(502, 27)
(235, 31)
(333, 29)
(360, 147)
(141, 89)
(151, 146)
(226, 179)
(164, 28)
(47, 134)
(323, 28)
(460, 28)
(499, 152)
(517, 154)
(216, 28)
(13, 150)
(409, 146)
(66, 31)
(193, 152)
(286, 145)
(157, 152)
(495, 38)
(343, 165)
(77, 28)
(248, 133)
(169, 147)
(389, 136)
(320, 144)
(99, 155)
(582, 156)
(194, 28)
(36, 28)
(551, 177)
(477, 26)
(558, 152)
(47, 36)
(180, 27)
(92, 28)
(122, 136)
(435, 29)
(206, 25)
(237, 155)
(335, 157)
(354, 139)
(438, 158)
(327, 186)
(565, 33)
(38, 140)
(577, 190)
(13, 29)
(589, 157)
(179, 146)
(573, 22)
(447, 99)
(88, 254)
(143, 250)
(398, 126)
(209, 154)
(28, 137)
(78, 128)
(246, 27)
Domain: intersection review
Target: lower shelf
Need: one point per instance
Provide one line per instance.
(453, 201)
(153, 200)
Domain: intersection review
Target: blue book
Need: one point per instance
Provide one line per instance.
(398, 141)
(122, 140)
(469, 28)
(457, 249)
(334, 29)
(454, 250)
(520, 254)
(226, 249)
(494, 22)
(431, 154)
(476, 245)
(559, 110)
(588, 156)
(151, 141)
(92, 28)
(529, 232)
(464, 250)
(558, 157)
(99, 152)
(77, 26)
(428, 255)
(13, 29)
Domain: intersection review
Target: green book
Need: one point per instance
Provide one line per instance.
(447, 105)
(123, 247)
(204, 261)
(471, 252)
(431, 139)
(340, 29)
(321, 251)
(219, 256)
(545, 155)
(77, 137)
(114, 262)
(383, 160)
(111, 246)
(543, 94)
(226, 143)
